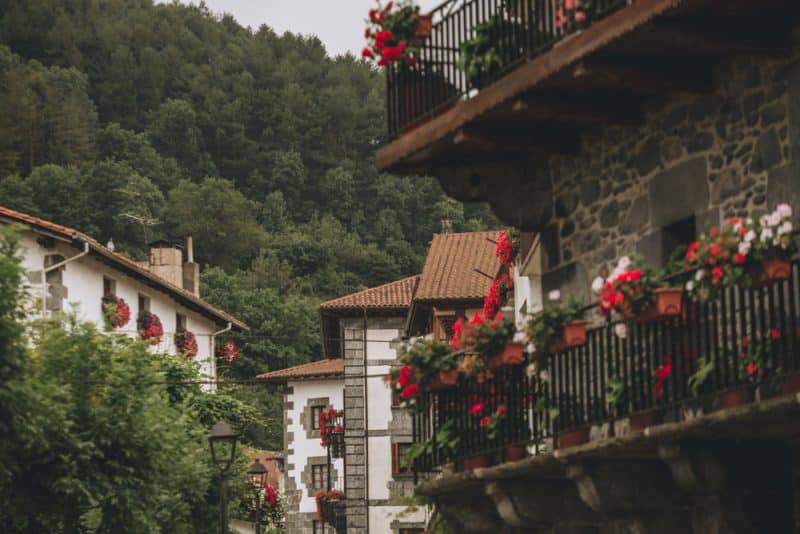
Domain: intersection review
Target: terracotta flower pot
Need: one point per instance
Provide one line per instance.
(424, 26)
(573, 438)
(733, 398)
(444, 380)
(574, 334)
(511, 354)
(638, 422)
(774, 270)
(515, 453)
(669, 301)
(791, 384)
(475, 462)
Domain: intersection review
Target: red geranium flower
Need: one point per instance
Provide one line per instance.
(485, 421)
(409, 391)
(774, 334)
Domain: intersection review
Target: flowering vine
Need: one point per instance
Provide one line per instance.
(150, 328)
(507, 247)
(186, 343)
(116, 312)
(229, 352)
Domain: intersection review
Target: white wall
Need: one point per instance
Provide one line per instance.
(84, 281)
(303, 447)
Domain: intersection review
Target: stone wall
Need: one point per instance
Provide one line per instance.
(733, 152)
(355, 454)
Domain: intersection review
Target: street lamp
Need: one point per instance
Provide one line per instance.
(258, 475)
(222, 440)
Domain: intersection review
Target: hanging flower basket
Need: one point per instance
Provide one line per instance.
(186, 343)
(150, 328)
(668, 303)
(444, 380)
(424, 26)
(773, 270)
(116, 312)
(511, 354)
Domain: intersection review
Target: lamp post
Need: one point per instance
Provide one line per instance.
(222, 440)
(258, 475)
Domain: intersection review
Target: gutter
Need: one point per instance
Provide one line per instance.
(366, 422)
(58, 265)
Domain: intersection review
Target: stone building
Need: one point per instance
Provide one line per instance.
(632, 136)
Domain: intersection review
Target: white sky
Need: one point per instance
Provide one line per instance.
(338, 23)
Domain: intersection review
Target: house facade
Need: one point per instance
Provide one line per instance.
(632, 136)
(68, 271)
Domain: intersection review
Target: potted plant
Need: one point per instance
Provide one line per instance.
(773, 245)
(493, 338)
(655, 415)
(698, 380)
(572, 414)
(633, 291)
(556, 328)
(186, 343)
(324, 498)
(574, 15)
(149, 327)
(433, 365)
(116, 312)
(395, 32)
(445, 442)
(483, 57)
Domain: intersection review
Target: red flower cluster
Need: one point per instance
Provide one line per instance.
(507, 249)
(383, 43)
(614, 293)
(150, 328)
(116, 311)
(186, 344)
(661, 375)
(326, 429)
(406, 381)
(271, 496)
(498, 295)
(230, 352)
(571, 13)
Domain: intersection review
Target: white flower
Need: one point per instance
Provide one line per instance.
(785, 228)
(531, 370)
(530, 348)
(699, 274)
(624, 262)
(621, 330)
(744, 248)
(597, 284)
(749, 221)
(544, 376)
(774, 219)
(616, 272)
(749, 236)
(689, 285)
(784, 211)
(520, 337)
(766, 234)
(764, 221)
(554, 295)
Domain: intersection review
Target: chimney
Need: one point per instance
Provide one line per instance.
(166, 261)
(191, 270)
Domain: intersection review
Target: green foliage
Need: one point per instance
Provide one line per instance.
(484, 56)
(704, 368)
(546, 326)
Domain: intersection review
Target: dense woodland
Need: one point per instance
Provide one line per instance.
(134, 122)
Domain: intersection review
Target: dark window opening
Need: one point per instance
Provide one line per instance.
(319, 476)
(180, 323)
(399, 466)
(109, 287)
(316, 411)
(144, 304)
(676, 237)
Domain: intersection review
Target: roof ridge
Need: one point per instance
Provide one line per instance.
(401, 299)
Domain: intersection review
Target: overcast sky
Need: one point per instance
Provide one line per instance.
(338, 23)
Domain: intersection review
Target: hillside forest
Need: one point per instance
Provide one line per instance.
(137, 122)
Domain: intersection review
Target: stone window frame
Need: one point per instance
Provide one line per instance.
(307, 417)
(307, 478)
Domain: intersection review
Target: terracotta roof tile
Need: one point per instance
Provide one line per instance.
(394, 295)
(122, 262)
(318, 369)
(459, 266)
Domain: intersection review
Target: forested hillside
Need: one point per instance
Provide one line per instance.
(136, 121)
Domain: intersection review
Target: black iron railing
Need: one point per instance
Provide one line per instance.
(574, 389)
(515, 30)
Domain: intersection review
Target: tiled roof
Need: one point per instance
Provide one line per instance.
(459, 266)
(123, 263)
(319, 369)
(394, 295)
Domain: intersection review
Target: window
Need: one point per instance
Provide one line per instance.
(677, 235)
(180, 323)
(319, 476)
(316, 411)
(399, 467)
(109, 287)
(144, 304)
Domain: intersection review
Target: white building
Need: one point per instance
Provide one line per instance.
(70, 271)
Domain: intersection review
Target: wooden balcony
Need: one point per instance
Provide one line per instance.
(552, 87)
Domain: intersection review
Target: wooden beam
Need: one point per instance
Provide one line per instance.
(624, 76)
(571, 109)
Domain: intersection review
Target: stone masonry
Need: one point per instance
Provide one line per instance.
(735, 152)
(355, 454)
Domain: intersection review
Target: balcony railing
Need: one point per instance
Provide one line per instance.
(516, 29)
(573, 391)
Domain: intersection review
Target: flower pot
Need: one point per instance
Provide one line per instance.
(638, 422)
(511, 354)
(475, 462)
(669, 301)
(515, 453)
(573, 438)
(574, 334)
(774, 270)
(424, 26)
(444, 380)
(791, 384)
(733, 398)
